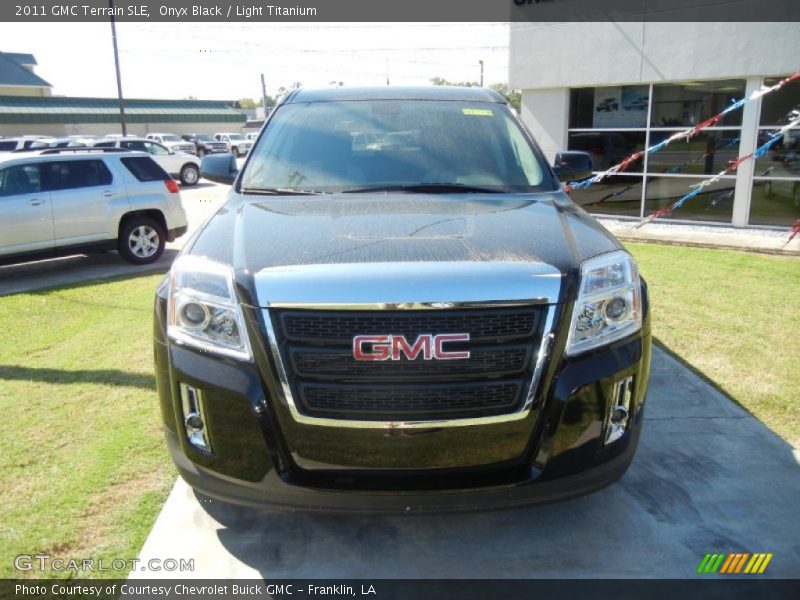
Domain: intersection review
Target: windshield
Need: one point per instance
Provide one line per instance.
(235, 137)
(170, 138)
(204, 138)
(397, 145)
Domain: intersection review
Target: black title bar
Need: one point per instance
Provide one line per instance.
(299, 11)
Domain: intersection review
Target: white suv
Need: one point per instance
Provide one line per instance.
(237, 144)
(71, 201)
(183, 166)
(173, 142)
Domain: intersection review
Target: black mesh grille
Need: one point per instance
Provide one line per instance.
(320, 362)
(341, 326)
(412, 401)
(317, 351)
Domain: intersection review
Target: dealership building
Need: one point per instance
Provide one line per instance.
(28, 107)
(613, 88)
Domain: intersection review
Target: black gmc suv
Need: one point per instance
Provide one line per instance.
(399, 309)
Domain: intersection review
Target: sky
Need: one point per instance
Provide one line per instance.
(224, 61)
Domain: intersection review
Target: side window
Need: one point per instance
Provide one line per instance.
(104, 145)
(68, 175)
(138, 146)
(144, 168)
(20, 179)
(155, 148)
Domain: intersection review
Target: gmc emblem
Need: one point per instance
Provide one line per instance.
(395, 347)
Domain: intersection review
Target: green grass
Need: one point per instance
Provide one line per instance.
(83, 469)
(735, 317)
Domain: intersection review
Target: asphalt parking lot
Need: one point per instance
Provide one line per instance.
(708, 477)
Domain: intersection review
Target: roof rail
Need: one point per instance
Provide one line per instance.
(84, 149)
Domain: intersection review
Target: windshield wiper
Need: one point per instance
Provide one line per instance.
(279, 192)
(430, 188)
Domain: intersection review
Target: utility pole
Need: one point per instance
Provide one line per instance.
(264, 95)
(481, 63)
(119, 77)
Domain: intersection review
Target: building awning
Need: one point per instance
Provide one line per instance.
(65, 110)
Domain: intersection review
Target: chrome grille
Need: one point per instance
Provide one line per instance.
(326, 381)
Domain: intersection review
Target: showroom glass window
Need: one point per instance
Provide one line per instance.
(775, 197)
(612, 122)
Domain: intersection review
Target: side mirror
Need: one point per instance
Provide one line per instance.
(572, 164)
(219, 168)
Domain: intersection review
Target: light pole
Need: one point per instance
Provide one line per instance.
(119, 77)
(480, 62)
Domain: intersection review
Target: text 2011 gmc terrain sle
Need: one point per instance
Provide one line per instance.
(399, 309)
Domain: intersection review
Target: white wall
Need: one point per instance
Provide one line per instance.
(547, 55)
(546, 113)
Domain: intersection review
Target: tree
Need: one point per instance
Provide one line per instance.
(247, 103)
(443, 81)
(513, 97)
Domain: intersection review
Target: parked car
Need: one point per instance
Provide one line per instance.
(236, 142)
(205, 143)
(607, 105)
(65, 142)
(640, 103)
(184, 166)
(173, 142)
(426, 325)
(17, 144)
(606, 147)
(69, 201)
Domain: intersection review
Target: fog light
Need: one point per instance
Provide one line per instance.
(619, 409)
(194, 417)
(194, 423)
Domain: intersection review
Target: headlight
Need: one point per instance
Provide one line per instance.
(202, 311)
(609, 304)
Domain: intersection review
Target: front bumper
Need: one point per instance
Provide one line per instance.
(262, 458)
(273, 492)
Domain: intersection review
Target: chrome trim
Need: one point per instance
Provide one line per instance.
(192, 405)
(544, 349)
(621, 395)
(392, 286)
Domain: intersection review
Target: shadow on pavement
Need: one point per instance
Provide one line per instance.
(707, 477)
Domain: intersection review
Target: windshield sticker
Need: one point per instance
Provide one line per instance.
(477, 112)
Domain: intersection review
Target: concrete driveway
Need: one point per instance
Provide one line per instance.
(708, 477)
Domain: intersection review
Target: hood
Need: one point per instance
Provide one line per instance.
(539, 232)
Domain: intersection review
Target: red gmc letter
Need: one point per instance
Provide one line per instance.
(440, 354)
(400, 346)
(380, 347)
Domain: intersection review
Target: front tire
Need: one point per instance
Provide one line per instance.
(189, 174)
(141, 240)
(235, 151)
